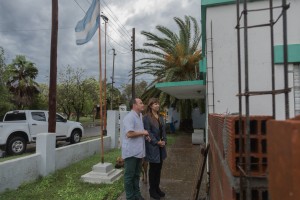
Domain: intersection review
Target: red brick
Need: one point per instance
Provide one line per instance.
(283, 159)
(258, 141)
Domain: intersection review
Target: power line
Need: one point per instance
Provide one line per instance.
(112, 19)
(117, 20)
(100, 27)
(118, 23)
(79, 6)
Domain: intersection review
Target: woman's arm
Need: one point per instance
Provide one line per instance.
(147, 127)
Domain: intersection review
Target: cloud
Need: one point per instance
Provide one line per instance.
(25, 28)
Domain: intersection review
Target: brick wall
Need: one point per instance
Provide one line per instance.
(284, 159)
(223, 135)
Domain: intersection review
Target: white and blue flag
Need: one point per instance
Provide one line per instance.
(86, 28)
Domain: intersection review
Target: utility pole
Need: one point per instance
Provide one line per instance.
(112, 80)
(133, 63)
(53, 69)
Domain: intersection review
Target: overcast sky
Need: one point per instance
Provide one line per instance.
(25, 29)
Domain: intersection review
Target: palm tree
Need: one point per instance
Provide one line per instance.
(22, 74)
(172, 57)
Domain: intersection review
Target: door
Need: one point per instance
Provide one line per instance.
(62, 126)
(38, 123)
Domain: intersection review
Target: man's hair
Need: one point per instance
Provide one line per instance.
(131, 102)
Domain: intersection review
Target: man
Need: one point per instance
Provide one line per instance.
(133, 148)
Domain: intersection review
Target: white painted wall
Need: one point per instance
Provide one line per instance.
(224, 37)
(17, 171)
(67, 155)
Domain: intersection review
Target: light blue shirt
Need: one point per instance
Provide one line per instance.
(133, 147)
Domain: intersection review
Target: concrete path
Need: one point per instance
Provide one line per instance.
(179, 171)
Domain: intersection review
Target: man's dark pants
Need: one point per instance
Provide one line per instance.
(133, 167)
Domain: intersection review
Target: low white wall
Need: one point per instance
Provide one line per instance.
(64, 156)
(15, 172)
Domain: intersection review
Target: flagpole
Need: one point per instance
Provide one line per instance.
(104, 84)
(100, 79)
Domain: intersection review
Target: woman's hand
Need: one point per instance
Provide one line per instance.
(161, 143)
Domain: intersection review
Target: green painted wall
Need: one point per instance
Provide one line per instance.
(216, 2)
(179, 83)
(293, 53)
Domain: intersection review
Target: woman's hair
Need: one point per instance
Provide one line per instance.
(150, 103)
(149, 111)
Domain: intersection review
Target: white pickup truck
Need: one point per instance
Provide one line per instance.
(20, 127)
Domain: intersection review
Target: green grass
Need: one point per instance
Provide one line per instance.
(65, 184)
(170, 139)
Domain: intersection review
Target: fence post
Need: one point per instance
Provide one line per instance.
(113, 127)
(45, 146)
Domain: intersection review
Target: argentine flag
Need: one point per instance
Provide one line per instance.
(86, 28)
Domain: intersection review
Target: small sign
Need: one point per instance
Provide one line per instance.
(122, 108)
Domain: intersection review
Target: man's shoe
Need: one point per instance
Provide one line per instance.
(140, 198)
(160, 193)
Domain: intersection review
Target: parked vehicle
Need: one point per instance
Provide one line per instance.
(20, 127)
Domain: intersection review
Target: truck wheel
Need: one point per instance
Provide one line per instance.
(16, 146)
(75, 136)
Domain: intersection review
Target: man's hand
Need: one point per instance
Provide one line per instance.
(146, 134)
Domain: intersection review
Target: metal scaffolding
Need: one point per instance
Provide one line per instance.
(245, 176)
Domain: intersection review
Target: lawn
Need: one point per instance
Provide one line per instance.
(65, 184)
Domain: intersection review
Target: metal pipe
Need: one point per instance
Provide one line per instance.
(212, 66)
(240, 97)
(272, 58)
(285, 59)
(247, 142)
(104, 87)
(100, 89)
(112, 80)
(261, 9)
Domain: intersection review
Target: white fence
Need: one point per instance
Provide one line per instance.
(47, 159)
(17, 171)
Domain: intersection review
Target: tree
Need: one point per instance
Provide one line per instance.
(140, 88)
(22, 74)
(41, 100)
(76, 92)
(65, 91)
(5, 96)
(114, 95)
(172, 57)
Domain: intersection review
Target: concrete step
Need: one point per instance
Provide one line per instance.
(102, 173)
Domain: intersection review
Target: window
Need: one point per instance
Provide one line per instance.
(38, 116)
(60, 118)
(15, 117)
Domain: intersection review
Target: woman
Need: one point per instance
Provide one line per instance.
(156, 147)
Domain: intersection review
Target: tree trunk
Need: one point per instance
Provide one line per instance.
(77, 117)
